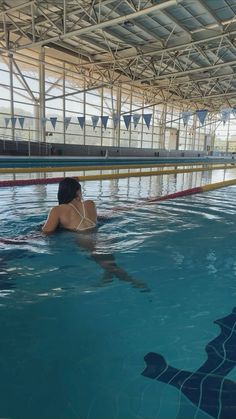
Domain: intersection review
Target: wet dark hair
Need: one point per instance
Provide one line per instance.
(67, 190)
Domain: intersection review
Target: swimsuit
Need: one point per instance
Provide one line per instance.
(83, 217)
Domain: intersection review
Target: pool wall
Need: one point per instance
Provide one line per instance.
(25, 148)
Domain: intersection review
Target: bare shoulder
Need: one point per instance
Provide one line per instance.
(52, 221)
(58, 210)
(91, 209)
(62, 207)
(54, 210)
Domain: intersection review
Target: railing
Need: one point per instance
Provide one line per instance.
(21, 146)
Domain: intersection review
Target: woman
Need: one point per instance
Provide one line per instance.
(72, 213)
(81, 216)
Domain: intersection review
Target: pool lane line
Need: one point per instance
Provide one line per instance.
(28, 182)
(191, 191)
(13, 170)
(29, 164)
(25, 182)
(218, 185)
(186, 192)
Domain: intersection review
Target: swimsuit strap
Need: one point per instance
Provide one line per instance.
(82, 202)
(83, 217)
(93, 224)
(76, 209)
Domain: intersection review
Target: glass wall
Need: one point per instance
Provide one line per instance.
(46, 98)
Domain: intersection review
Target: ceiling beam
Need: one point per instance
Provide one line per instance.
(158, 52)
(18, 7)
(105, 24)
(190, 71)
(214, 96)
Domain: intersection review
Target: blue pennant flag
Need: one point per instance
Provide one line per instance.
(233, 110)
(21, 120)
(186, 116)
(53, 120)
(7, 120)
(201, 114)
(44, 121)
(225, 114)
(104, 120)
(81, 121)
(147, 119)
(13, 122)
(95, 120)
(67, 122)
(116, 120)
(136, 118)
(127, 120)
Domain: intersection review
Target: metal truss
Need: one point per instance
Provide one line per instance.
(173, 50)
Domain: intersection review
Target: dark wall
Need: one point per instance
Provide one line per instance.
(25, 148)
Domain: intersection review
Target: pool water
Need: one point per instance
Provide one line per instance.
(77, 317)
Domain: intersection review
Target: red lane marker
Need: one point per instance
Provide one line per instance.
(176, 194)
(26, 182)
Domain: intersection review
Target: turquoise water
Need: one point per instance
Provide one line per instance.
(34, 161)
(73, 339)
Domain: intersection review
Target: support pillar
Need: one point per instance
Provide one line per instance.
(42, 125)
(10, 56)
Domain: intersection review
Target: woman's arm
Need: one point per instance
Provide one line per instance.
(91, 210)
(52, 222)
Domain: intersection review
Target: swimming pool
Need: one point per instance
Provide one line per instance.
(73, 338)
(55, 161)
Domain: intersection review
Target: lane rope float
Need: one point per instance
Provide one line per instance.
(25, 182)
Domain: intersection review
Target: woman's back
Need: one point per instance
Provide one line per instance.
(78, 215)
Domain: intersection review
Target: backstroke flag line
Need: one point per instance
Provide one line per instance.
(53, 120)
(81, 121)
(13, 121)
(186, 116)
(104, 120)
(7, 120)
(201, 114)
(67, 122)
(136, 118)
(127, 120)
(225, 114)
(21, 121)
(147, 119)
(95, 120)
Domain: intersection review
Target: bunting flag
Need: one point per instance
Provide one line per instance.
(147, 119)
(136, 118)
(7, 120)
(67, 122)
(225, 114)
(116, 120)
(13, 122)
(81, 121)
(201, 114)
(95, 120)
(127, 120)
(234, 112)
(21, 120)
(186, 116)
(53, 120)
(104, 120)
(44, 121)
